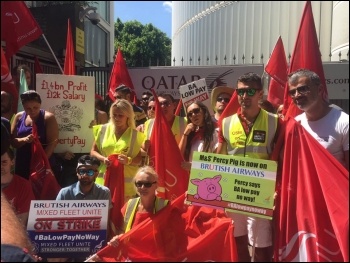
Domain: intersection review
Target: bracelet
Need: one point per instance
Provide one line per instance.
(129, 160)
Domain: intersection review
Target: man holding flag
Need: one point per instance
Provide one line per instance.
(250, 133)
(328, 125)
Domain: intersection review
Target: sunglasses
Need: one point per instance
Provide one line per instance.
(301, 90)
(250, 92)
(118, 97)
(30, 96)
(145, 184)
(152, 108)
(219, 99)
(145, 99)
(89, 172)
(194, 111)
(164, 103)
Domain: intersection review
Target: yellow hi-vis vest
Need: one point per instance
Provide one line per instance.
(178, 128)
(258, 143)
(131, 209)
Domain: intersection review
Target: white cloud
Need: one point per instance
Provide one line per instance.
(168, 5)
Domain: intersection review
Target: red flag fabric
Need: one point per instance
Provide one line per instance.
(18, 26)
(307, 55)
(277, 68)
(312, 220)
(69, 61)
(114, 180)
(37, 67)
(166, 158)
(120, 75)
(44, 183)
(230, 109)
(5, 71)
(7, 81)
(178, 108)
(177, 233)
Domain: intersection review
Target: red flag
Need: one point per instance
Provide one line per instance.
(69, 61)
(114, 180)
(312, 221)
(18, 26)
(230, 109)
(44, 183)
(277, 68)
(306, 55)
(178, 108)
(177, 233)
(5, 71)
(37, 67)
(120, 75)
(166, 158)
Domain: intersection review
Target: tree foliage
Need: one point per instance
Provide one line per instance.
(142, 45)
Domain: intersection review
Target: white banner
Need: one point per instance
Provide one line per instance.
(169, 79)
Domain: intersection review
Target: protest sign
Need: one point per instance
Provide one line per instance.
(243, 185)
(72, 100)
(70, 228)
(193, 91)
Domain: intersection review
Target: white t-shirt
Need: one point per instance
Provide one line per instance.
(332, 132)
(197, 145)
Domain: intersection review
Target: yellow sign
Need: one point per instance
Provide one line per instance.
(79, 41)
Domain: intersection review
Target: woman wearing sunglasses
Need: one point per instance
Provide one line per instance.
(146, 205)
(199, 134)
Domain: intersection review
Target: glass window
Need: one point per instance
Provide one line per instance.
(95, 44)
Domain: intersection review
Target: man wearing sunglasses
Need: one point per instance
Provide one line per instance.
(328, 125)
(220, 97)
(177, 123)
(85, 188)
(250, 133)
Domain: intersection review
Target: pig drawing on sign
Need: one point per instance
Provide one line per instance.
(208, 188)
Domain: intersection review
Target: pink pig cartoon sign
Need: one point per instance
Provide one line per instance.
(208, 188)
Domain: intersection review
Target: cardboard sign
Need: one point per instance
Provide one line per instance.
(195, 91)
(74, 228)
(72, 100)
(243, 185)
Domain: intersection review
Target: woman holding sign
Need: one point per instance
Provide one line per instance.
(199, 134)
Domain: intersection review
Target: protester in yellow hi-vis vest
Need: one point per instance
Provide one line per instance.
(138, 209)
(177, 123)
(250, 132)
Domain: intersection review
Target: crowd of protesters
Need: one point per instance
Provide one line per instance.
(124, 138)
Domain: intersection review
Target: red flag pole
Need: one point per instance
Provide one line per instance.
(53, 54)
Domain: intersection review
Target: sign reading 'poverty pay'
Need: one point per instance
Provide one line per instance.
(193, 91)
(71, 99)
(240, 184)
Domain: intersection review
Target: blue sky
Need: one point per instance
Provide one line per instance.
(156, 12)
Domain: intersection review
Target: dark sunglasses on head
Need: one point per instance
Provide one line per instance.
(220, 99)
(164, 103)
(89, 172)
(152, 108)
(250, 92)
(194, 111)
(30, 96)
(301, 90)
(145, 184)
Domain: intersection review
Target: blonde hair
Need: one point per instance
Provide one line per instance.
(147, 170)
(127, 110)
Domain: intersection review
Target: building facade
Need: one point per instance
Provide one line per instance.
(245, 32)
